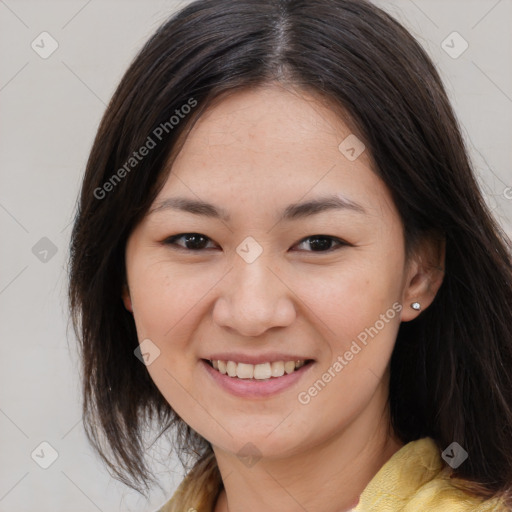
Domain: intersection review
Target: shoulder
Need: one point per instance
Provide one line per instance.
(440, 494)
(416, 478)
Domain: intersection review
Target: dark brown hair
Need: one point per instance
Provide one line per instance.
(451, 367)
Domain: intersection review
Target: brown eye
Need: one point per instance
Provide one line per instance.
(191, 241)
(322, 243)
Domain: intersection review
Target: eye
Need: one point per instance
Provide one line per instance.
(322, 243)
(197, 242)
(192, 241)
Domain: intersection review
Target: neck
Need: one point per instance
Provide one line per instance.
(341, 467)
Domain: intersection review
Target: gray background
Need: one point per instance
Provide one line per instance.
(50, 109)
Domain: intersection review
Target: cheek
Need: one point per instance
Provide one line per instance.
(350, 299)
(166, 304)
(349, 380)
(358, 315)
(163, 297)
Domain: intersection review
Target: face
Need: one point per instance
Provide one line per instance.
(251, 279)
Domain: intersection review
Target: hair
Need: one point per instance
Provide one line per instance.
(450, 373)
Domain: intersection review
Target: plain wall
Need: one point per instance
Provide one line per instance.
(50, 109)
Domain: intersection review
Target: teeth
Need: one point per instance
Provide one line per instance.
(244, 371)
(263, 371)
(231, 368)
(277, 369)
(289, 366)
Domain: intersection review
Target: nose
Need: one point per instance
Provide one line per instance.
(253, 298)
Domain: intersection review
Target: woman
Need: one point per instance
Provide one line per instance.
(281, 257)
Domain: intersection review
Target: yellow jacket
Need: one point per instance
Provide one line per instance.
(414, 479)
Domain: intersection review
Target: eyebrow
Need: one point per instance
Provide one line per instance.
(291, 212)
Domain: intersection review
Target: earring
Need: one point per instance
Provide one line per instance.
(416, 306)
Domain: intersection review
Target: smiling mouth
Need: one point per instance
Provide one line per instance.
(263, 371)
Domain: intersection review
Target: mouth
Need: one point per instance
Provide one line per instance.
(257, 372)
(257, 381)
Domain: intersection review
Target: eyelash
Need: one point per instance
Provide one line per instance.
(172, 241)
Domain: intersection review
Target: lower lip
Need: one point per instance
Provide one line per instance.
(252, 388)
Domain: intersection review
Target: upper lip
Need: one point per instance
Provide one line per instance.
(271, 357)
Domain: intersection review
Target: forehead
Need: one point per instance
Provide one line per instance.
(272, 143)
(270, 119)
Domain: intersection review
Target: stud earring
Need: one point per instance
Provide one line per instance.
(416, 306)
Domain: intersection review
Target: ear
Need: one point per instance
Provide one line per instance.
(424, 275)
(126, 298)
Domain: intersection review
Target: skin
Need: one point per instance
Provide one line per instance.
(253, 153)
